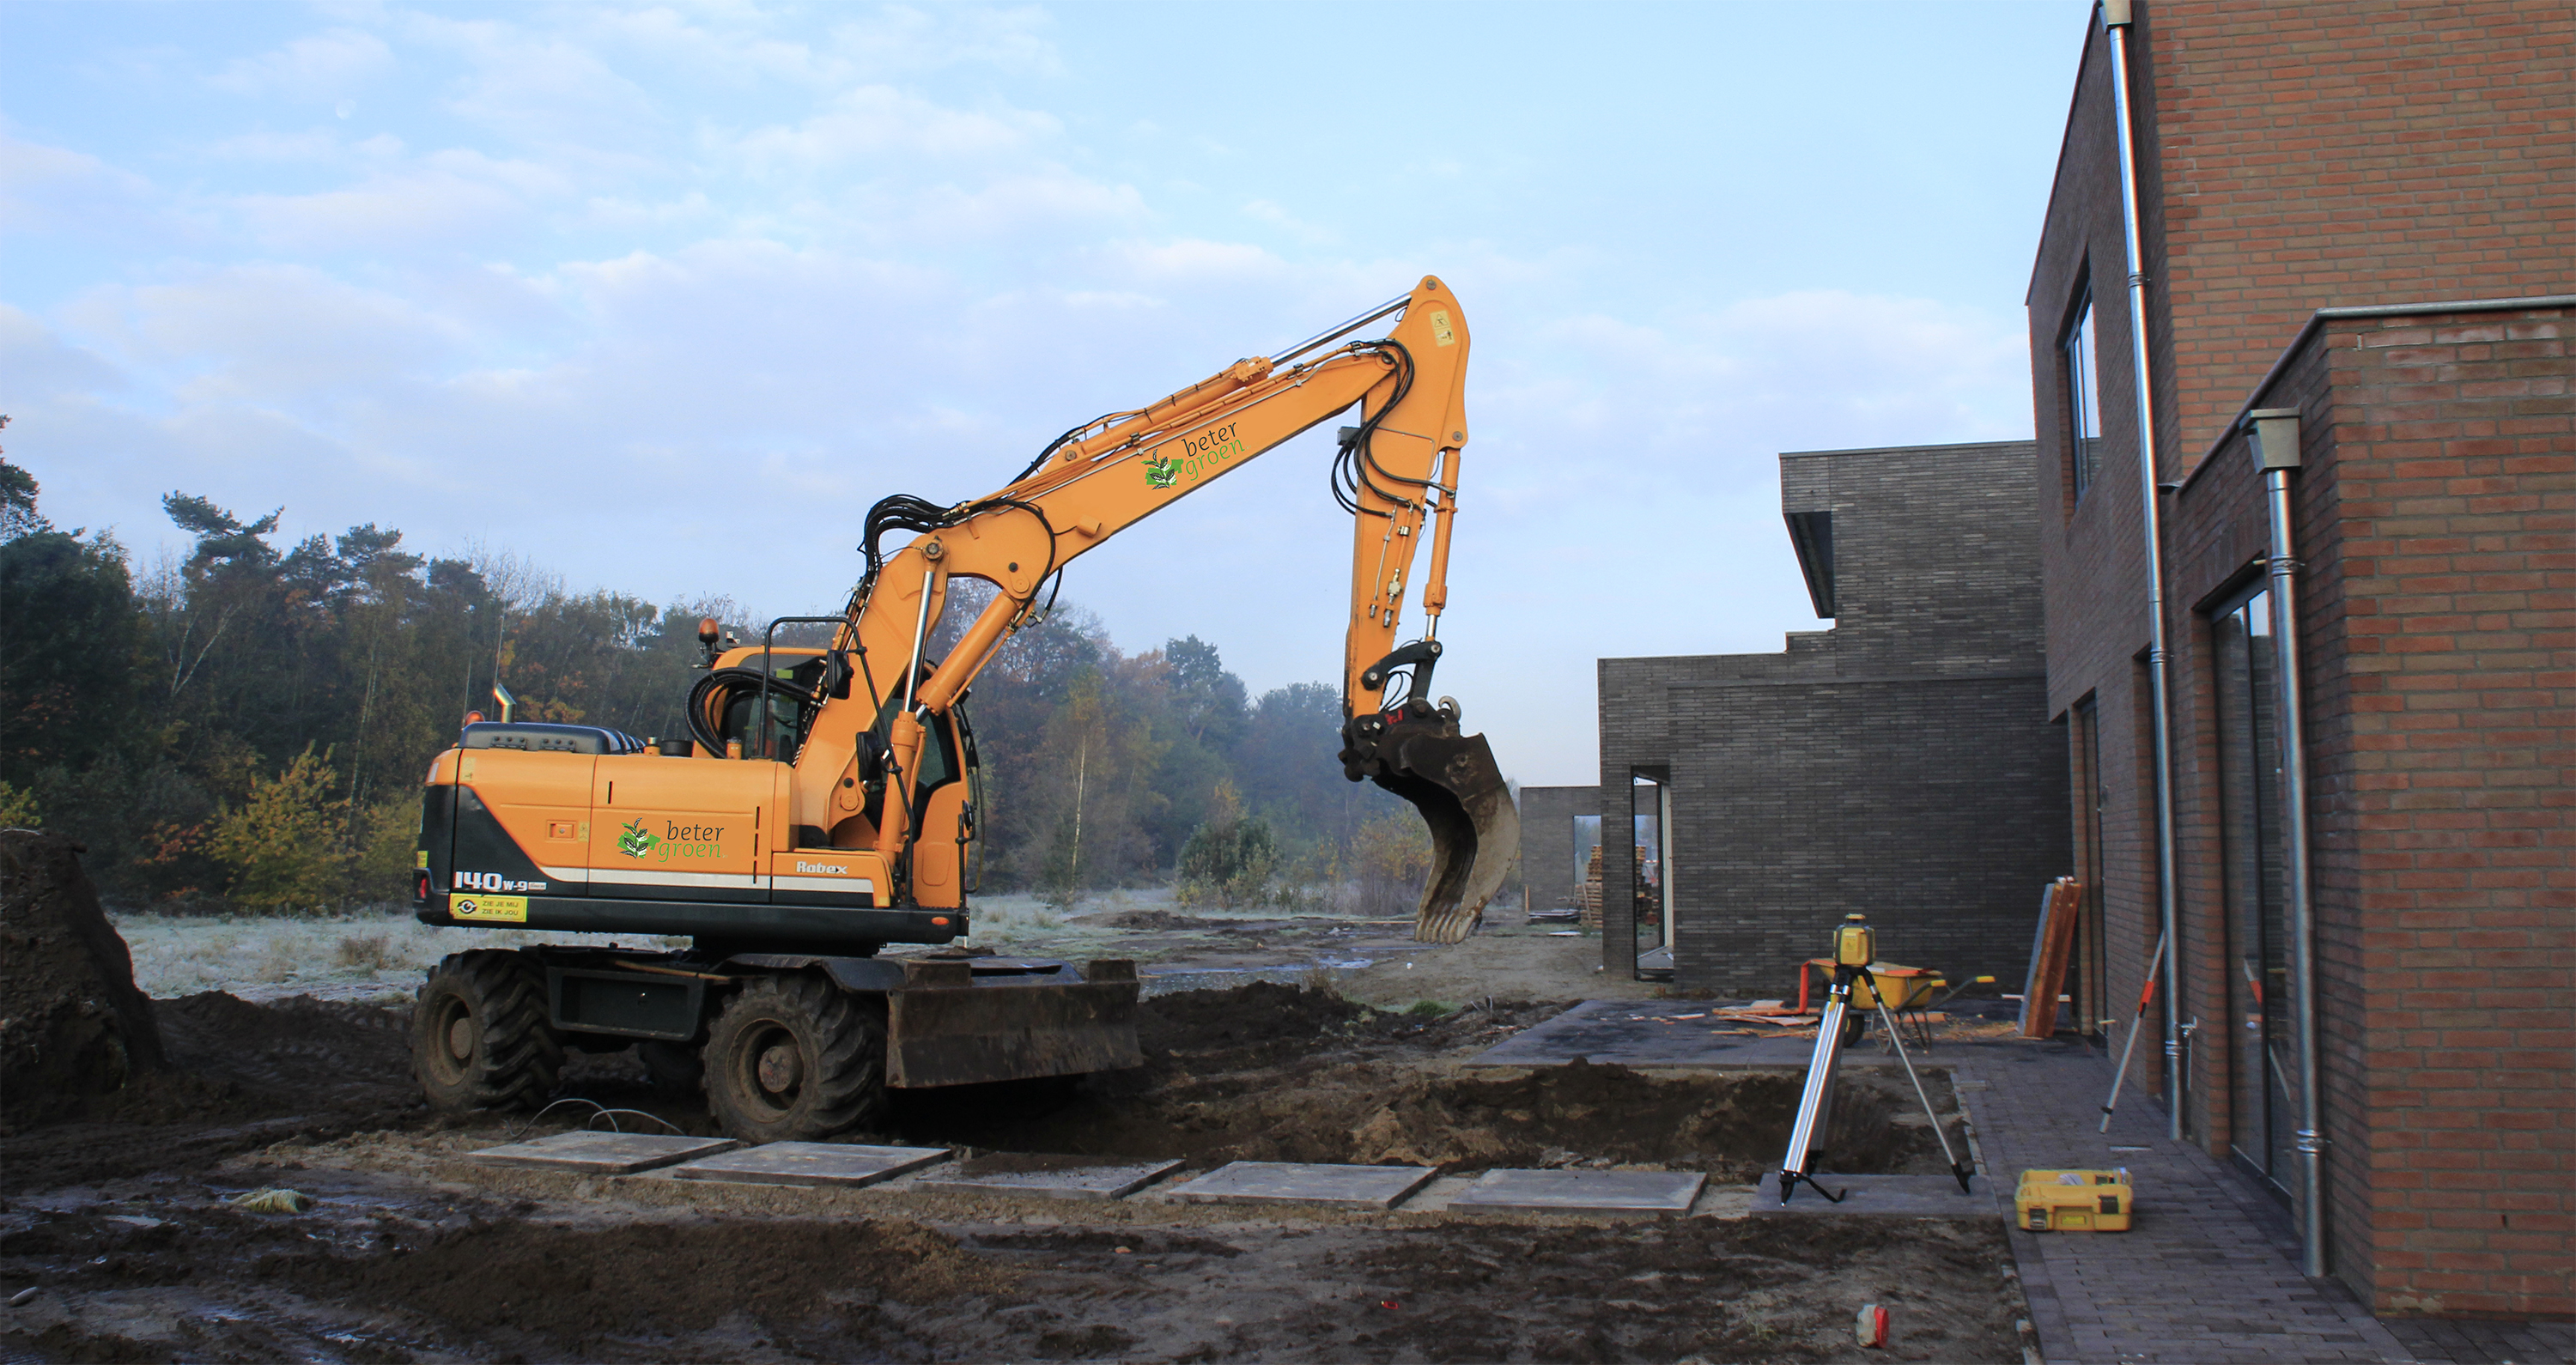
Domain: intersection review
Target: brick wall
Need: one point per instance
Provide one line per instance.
(1900, 764)
(2436, 516)
(2293, 158)
(2324, 156)
(1547, 843)
(2298, 158)
(2454, 458)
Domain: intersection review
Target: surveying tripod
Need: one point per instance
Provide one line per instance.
(1855, 947)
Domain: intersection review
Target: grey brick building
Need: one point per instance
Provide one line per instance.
(1555, 843)
(1901, 764)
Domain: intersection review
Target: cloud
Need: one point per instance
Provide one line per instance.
(873, 122)
(48, 188)
(445, 200)
(37, 361)
(545, 90)
(326, 65)
(264, 336)
(1262, 210)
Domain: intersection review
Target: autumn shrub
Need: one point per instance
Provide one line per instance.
(18, 808)
(388, 841)
(1392, 858)
(287, 843)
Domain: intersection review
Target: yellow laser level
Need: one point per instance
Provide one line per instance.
(1855, 948)
(1855, 945)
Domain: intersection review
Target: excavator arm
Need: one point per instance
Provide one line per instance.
(1396, 473)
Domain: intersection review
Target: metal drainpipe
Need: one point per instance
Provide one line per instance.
(2275, 443)
(2115, 24)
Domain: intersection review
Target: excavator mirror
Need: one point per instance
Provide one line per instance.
(836, 675)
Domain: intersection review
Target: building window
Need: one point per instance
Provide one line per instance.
(2092, 794)
(1650, 807)
(2249, 798)
(2083, 397)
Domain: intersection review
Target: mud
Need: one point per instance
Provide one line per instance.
(385, 1270)
(1281, 1073)
(72, 1025)
(117, 1218)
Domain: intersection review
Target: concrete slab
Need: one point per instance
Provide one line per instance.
(1898, 1196)
(1634, 1193)
(1289, 1182)
(1636, 1033)
(1050, 1177)
(602, 1153)
(847, 1164)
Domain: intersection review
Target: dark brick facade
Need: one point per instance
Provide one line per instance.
(2360, 159)
(1900, 764)
(1549, 877)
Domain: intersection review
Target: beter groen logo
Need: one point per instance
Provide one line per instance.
(635, 841)
(1161, 473)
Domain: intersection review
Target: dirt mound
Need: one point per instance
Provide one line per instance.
(334, 1050)
(1732, 1126)
(240, 1075)
(72, 1024)
(1199, 1021)
(574, 1286)
(1610, 1115)
(1148, 919)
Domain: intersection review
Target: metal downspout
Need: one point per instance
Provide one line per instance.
(2115, 23)
(2276, 452)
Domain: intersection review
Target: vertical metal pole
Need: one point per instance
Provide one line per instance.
(920, 636)
(1815, 1102)
(2116, 20)
(2288, 716)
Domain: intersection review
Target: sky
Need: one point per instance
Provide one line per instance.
(662, 297)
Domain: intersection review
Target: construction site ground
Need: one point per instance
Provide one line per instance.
(120, 1220)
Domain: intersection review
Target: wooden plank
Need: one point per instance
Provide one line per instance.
(2051, 946)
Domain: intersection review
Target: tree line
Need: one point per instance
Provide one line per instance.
(248, 723)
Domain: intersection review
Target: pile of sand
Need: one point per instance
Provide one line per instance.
(72, 1024)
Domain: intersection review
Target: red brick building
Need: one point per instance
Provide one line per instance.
(2362, 216)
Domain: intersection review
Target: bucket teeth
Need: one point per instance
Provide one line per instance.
(1452, 779)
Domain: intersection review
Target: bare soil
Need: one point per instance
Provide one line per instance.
(113, 1210)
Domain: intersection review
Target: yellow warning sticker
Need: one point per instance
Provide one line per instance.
(1441, 333)
(420, 858)
(484, 909)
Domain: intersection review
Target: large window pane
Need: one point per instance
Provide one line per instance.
(2084, 399)
(2249, 756)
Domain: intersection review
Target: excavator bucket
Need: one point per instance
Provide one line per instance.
(1451, 778)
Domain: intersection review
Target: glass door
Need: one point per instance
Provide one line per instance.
(1650, 806)
(2249, 773)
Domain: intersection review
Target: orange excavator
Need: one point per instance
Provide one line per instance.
(824, 805)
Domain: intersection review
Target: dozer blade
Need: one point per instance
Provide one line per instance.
(1475, 828)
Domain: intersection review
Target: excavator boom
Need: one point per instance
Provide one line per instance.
(1396, 473)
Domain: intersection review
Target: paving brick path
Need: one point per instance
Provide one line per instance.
(2209, 1274)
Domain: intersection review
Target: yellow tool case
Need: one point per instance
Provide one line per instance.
(2074, 1201)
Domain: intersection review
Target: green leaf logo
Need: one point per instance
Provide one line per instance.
(1161, 473)
(634, 842)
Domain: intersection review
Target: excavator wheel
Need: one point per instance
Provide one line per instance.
(479, 1034)
(792, 1059)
